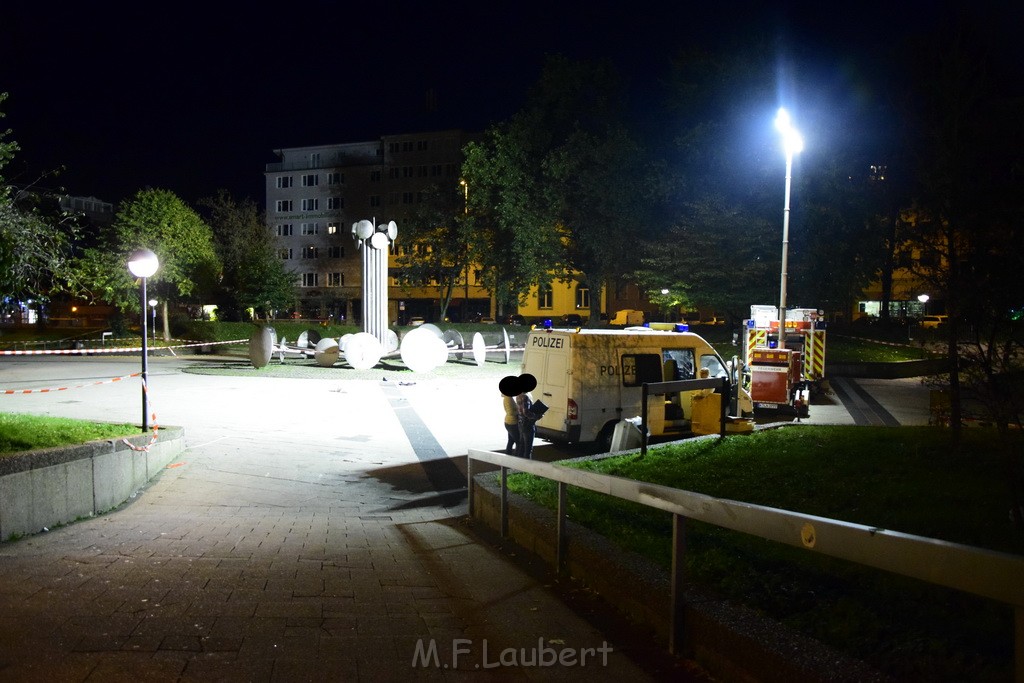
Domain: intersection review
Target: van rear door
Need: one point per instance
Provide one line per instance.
(549, 363)
(553, 390)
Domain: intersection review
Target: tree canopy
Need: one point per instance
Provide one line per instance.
(35, 245)
(252, 274)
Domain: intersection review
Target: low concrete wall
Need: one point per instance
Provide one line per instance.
(41, 489)
(733, 642)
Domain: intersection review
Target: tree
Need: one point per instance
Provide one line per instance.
(160, 221)
(439, 244)
(970, 198)
(559, 190)
(604, 204)
(35, 245)
(252, 275)
(716, 255)
(511, 232)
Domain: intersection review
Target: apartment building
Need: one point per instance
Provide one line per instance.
(314, 195)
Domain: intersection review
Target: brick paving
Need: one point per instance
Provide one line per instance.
(274, 551)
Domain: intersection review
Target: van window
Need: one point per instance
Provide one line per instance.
(640, 368)
(714, 366)
(683, 361)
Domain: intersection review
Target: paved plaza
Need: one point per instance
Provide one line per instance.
(313, 530)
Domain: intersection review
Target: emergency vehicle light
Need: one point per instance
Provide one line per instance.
(682, 327)
(547, 323)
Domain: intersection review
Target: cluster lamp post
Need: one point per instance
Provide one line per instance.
(143, 264)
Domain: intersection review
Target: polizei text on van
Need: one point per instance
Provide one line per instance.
(546, 342)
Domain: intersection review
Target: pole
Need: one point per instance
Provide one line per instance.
(145, 363)
(785, 252)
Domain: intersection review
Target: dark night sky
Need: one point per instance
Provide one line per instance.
(193, 97)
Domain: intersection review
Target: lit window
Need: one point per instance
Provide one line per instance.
(582, 296)
(545, 296)
(332, 228)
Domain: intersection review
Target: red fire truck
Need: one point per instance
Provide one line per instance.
(780, 377)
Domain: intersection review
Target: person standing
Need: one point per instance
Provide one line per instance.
(527, 421)
(511, 425)
(509, 389)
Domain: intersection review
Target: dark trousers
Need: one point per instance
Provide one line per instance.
(512, 445)
(527, 430)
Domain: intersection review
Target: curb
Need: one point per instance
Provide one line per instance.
(46, 488)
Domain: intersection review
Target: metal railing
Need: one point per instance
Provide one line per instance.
(984, 573)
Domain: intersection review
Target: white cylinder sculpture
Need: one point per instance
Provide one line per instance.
(375, 243)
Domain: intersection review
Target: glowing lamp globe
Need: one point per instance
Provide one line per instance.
(143, 263)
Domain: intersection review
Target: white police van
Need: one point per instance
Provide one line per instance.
(591, 379)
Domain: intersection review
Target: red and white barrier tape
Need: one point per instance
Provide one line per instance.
(152, 419)
(128, 349)
(9, 392)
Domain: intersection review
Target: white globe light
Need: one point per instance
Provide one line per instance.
(363, 351)
(143, 263)
(422, 351)
(326, 352)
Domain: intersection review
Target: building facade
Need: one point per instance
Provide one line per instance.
(315, 194)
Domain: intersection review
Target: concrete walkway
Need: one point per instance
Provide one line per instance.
(309, 533)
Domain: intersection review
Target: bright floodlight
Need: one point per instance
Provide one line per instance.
(143, 263)
(791, 139)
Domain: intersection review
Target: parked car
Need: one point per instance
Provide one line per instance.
(934, 321)
(572, 320)
(515, 319)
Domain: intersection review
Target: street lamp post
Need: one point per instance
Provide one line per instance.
(152, 305)
(143, 263)
(793, 144)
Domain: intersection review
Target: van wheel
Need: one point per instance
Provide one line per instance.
(604, 438)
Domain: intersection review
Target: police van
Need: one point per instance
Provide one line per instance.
(591, 379)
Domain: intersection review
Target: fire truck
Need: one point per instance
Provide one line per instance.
(778, 377)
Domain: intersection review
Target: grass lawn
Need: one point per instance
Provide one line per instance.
(905, 479)
(20, 432)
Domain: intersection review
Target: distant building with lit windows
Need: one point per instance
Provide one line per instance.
(314, 195)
